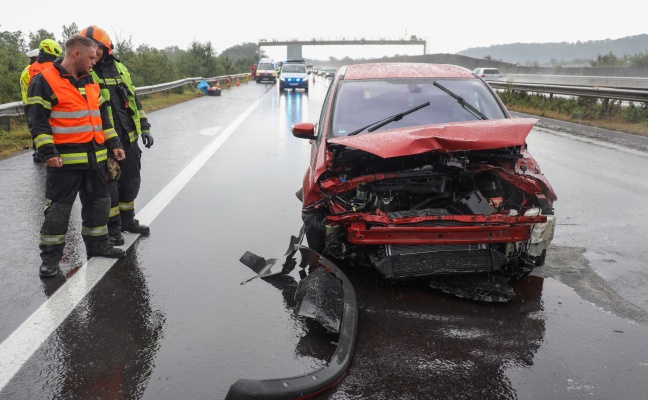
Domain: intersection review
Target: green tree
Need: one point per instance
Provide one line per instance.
(124, 49)
(607, 60)
(198, 61)
(151, 67)
(241, 56)
(69, 31)
(12, 61)
(39, 36)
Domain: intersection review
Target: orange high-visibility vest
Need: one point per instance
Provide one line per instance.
(37, 67)
(74, 119)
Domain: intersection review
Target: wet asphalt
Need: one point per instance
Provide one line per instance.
(180, 317)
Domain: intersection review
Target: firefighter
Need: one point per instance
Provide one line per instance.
(69, 123)
(130, 122)
(24, 75)
(48, 51)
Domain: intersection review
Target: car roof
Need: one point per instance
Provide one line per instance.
(405, 70)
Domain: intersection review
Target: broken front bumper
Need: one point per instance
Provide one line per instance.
(313, 383)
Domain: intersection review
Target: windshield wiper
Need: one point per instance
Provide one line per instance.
(461, 101)
(379, 124)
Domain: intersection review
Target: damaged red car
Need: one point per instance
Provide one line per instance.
(419, 171)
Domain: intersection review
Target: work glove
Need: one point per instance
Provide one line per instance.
(147, 139)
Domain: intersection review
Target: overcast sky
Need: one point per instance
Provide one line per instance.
(449, 27)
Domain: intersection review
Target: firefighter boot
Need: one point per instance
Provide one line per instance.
(116, 239)
(49, 269)
(114, 231)
(101, 247)
(50, 256)
(130, 224)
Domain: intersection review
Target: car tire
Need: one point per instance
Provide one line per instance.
(539, 261)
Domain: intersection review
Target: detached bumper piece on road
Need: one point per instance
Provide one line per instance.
(325, 294)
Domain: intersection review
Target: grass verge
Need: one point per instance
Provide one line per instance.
(613, 124)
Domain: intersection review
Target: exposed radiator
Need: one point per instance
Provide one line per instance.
(407, 261)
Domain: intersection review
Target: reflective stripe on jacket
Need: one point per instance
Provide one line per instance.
(75, 118)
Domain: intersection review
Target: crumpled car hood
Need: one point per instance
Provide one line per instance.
(451, 137)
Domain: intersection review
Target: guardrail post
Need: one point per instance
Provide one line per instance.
(5, 123)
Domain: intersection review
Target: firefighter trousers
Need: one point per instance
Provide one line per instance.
(124, 191)
(61, 189)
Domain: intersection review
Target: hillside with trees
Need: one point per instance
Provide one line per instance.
(563, 53)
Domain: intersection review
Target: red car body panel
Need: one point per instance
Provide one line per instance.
(457, 136)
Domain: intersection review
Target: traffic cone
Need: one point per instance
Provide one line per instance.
(238, 81)
(218, 84)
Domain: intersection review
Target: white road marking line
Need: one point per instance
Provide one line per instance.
(16, 349)
(210, 131)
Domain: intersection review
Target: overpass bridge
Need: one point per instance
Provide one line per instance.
(294, 46)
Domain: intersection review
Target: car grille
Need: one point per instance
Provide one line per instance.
(412, 261)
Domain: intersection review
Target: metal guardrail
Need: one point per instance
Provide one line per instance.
(617, 82)
(16, 109)
(640, 95)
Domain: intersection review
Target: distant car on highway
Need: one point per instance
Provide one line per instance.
(488, 73)
(419, 171)
(329, 72)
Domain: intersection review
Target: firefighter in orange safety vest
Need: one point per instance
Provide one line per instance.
(69, 123)
(48, 51)
(130, 123)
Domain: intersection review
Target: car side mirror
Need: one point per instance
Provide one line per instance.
(304, 130)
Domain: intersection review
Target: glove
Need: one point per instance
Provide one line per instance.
(147, 139)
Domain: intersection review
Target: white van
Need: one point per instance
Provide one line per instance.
(266, 70)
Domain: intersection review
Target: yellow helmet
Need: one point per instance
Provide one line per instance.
(49, 46)
(99, 36)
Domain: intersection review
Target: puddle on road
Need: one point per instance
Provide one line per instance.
(547, 343)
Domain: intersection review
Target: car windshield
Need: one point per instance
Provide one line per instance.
(295, 68)
(360, 103)
(265, 66)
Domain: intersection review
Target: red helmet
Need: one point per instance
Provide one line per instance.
(98, 35)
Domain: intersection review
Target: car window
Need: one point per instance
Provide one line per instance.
(265, 66)
(360, 103)
(295, 68)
